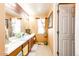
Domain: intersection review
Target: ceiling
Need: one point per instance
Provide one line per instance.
(37, 9)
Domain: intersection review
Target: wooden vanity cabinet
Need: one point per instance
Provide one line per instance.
(25, 48)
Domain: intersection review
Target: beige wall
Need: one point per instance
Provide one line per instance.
(55, 19)
(50, 39)
(2, 29)
(52, 33)
(77, 30)
(33, 25)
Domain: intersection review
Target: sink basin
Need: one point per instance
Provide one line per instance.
(25, 37)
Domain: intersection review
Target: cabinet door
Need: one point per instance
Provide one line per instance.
(30, 45)
(25, 50)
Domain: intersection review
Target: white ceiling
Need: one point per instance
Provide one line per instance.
(37, 9)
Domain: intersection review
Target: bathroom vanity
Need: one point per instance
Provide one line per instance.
(20, 46)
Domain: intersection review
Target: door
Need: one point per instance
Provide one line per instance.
(66, 29)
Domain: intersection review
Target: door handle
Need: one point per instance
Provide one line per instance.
(57, 32)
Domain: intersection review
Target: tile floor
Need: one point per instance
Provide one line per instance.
(40, 50)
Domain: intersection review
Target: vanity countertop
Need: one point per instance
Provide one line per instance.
(9, 48)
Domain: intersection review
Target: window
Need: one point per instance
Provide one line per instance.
(41, 26)
(16, 25)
